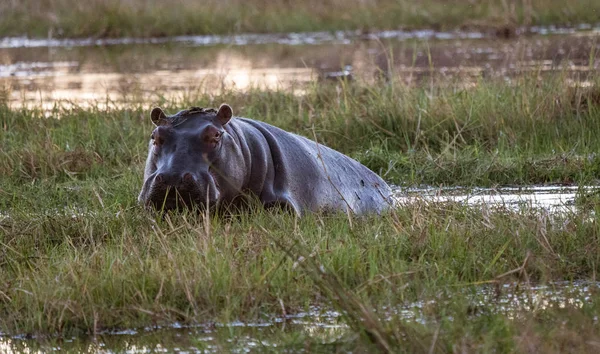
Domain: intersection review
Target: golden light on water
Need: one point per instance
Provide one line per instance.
(117, 76)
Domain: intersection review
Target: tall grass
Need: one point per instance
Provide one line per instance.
(89, 271)
(112, 18)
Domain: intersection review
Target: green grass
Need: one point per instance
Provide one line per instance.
(122, 268)
(112, 18)
(77, 255)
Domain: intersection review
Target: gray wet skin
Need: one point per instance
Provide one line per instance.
(203, 155)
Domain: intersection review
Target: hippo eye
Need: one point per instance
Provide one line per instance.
(156, 140)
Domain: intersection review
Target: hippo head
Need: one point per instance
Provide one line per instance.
(184, 151)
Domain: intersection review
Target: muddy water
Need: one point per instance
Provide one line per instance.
(321, 325)
(117, 72)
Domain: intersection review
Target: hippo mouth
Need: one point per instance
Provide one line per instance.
(173, 199)
(187, 195)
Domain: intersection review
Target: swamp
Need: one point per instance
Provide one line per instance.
(482, 115)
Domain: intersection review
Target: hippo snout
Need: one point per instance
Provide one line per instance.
(181, 190)
(180, 181)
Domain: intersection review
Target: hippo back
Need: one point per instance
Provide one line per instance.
(312, 176)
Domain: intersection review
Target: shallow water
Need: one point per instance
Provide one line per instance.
(117, 72)
(319, 323)
(553, 199)
(306, 38)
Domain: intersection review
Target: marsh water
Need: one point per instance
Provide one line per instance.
(116, 72)
(113, 73)
(556, 199)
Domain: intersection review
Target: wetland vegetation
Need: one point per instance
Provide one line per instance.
(84, 268)
(79, 257)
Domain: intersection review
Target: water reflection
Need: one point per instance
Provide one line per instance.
(553, 199)
(133, 72)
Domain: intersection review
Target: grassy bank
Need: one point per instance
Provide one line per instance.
(111, 268)
(150, 18)
(78, 256)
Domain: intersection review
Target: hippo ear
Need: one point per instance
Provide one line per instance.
(158, 117)
(225, 113)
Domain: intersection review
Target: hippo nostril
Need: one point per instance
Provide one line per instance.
(159, 178)
(188, 177)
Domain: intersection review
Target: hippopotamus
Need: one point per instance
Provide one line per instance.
(206, 157)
